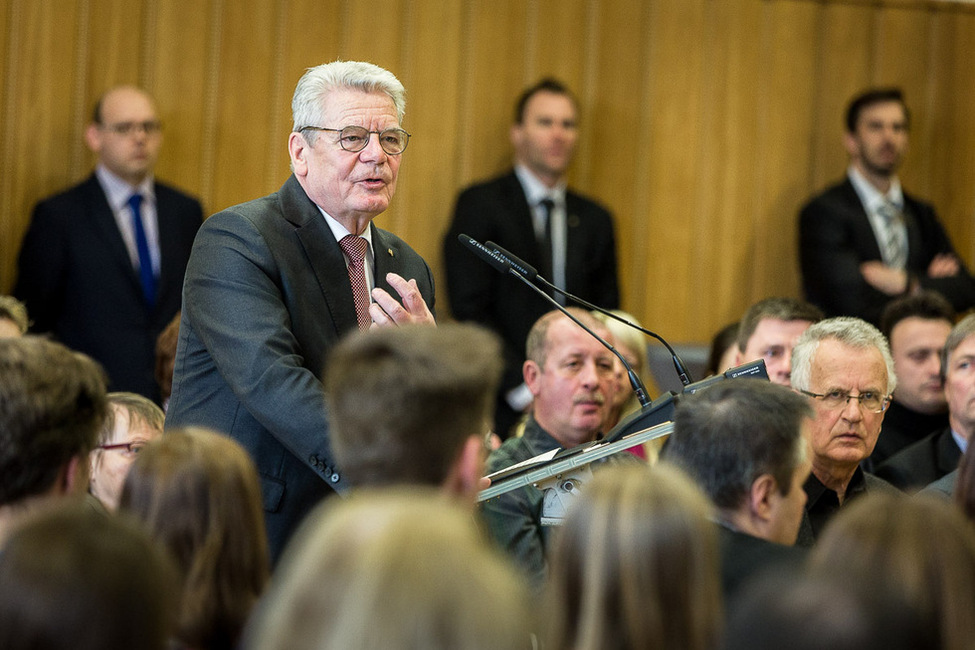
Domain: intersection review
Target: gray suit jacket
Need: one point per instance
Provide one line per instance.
(266, 296)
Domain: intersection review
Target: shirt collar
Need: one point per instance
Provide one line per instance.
(870, 196)
(536, 190)
(339, 231)
(118, 191)
(815, 489)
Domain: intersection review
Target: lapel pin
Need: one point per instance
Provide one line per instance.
(390, 251)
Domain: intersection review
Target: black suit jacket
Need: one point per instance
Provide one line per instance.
(745, 557)
(266, 296)
(77, 280)
(498, 211)
(835, 237)
(923, 462)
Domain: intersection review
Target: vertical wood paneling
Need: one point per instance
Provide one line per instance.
(705, 123)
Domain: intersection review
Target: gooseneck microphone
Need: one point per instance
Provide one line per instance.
(504, 264)
(519, 266)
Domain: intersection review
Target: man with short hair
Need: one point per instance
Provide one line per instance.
(743, 442)
(938, 454)
(101, 266)
(571, 377)
(844, 366)
(132, 422)
(865, 241)
(13, 317)
(272, 284)
(769, 330)
(531, 212)
(916, 328)
(412, 406)
(52, 401)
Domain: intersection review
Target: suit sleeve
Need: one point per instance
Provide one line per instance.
(470, 282)
(40, 281)
(233, 299)
(831, 265)
(604, 271)
(959, 289)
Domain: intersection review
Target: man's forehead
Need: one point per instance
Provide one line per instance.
(349, 103)
(965, 348)
(772, 329)
(549, 103)
(840, 362)
(882, 112)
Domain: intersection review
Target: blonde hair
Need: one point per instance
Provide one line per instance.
(393, 568)
(635, 565)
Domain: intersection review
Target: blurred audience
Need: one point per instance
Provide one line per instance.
(742, 441)
(132, 421)
(916, 328)
(52, 402)
(919, 549)
(635, 565)
(938, 453)
(73, 580)
(198, 494)
(13, 317)
(401, 569)
(724, 350)
(843, 366)
(166, 359)
(413, 405)
(769, 330)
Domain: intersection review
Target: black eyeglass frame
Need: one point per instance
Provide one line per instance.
(884, 401)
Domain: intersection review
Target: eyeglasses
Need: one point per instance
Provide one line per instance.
(837, 399)
(126, 447)
(356, 138)
(150, 127)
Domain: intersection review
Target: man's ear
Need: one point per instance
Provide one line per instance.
(73, 478)
(851, 145)
(760, 497)
(465, 474)
(93, 138)
(298, 150)
(531, 373)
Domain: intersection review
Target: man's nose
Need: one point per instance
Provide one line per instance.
(373, 151)
(852, 411)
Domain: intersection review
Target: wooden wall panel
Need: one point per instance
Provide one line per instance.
(705, 123)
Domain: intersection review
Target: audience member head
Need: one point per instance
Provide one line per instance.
(635, 565)
(317, 83)
(411, 405)
(404, 568)
(52, 401)
(13, 317)
(724, 350)
(571, 376)
(633, 346)
(546, 130)
(198, 494)
(958, 367)
(769, 330)
(74, 580)
(877, 124)
(824, 611)
(916, 327)
(125, 133)
(844, 366)
(166, 358)
(921, 549)
(964, 492)
(742, 441)
(132, 421)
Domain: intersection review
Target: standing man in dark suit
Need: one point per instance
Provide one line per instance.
(865, 241)
(273, 283)
(101, 267)
(531, 212)
(936, 455)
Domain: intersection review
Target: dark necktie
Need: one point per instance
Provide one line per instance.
(146, 277)
(354, 248)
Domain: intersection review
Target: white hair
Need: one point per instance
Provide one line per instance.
(853, 332)
(317, 82)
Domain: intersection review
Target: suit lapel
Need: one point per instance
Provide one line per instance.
(948, 452)
(860, 222)
(103, 222)
(514, 199)
(323, 254)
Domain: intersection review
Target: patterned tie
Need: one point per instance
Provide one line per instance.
(895, 236)
(146, 276)
(355, 249)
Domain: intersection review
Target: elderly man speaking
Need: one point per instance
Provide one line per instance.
(844, 366)
(273, 283)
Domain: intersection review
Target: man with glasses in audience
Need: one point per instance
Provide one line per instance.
(101, 266)
(531, 212)
(844, 367)
(272, 284)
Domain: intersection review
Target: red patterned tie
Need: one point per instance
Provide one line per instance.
(355, 249)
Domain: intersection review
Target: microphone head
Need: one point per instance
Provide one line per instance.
(491, 257)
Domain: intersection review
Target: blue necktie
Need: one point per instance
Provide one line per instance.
(146, 276)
